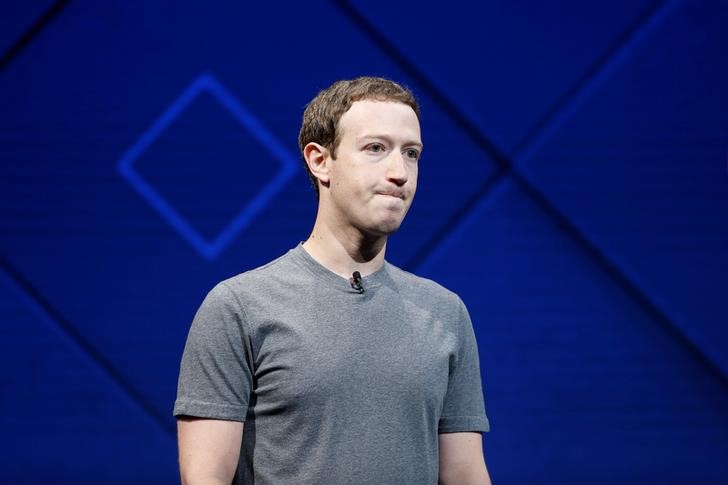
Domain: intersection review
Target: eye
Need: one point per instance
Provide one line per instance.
(412, 154)
(376, 147)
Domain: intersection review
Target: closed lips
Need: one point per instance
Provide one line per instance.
(399, 195)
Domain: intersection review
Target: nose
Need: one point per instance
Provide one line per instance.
(397, 168)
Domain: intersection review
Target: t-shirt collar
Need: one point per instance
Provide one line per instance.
(333, 280)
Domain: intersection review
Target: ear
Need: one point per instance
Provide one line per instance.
(317, 158)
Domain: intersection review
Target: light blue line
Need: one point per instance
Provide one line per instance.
(208, 249)
(159, 203)
(249, 120)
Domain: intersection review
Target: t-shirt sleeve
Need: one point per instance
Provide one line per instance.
(464, 408)
(215, 378)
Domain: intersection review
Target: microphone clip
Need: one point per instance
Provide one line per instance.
(356, 282)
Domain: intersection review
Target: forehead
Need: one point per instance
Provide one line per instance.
(392, 118)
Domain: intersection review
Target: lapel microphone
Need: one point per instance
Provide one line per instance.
(356, 282)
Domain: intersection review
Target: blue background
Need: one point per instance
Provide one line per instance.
(574, 192)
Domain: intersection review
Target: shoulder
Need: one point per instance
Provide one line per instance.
(237, 298)
(266, 274)
(231, 295)
(423, 289)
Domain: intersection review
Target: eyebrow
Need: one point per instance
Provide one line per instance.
(389, 139)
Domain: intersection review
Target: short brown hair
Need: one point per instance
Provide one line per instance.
(322, 114)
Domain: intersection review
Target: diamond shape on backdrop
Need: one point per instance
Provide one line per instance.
(174, 154)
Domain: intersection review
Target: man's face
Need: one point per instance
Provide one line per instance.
(374, 176)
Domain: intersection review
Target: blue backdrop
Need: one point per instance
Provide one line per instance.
(574, 192)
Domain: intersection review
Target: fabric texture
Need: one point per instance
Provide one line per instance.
(334, 386)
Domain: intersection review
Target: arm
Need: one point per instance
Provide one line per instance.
(209, 450)
(461, 459)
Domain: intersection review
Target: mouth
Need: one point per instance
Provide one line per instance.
(396, 195)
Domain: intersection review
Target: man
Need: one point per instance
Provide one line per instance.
(328, 364)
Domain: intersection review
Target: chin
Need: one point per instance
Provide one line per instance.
(389, 227)
(381, 229)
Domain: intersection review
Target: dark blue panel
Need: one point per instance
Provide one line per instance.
(94, 85)
(63, 421)
(503, 63)
(581, 386)
(17, 18)
(641, 167)
(144, 155)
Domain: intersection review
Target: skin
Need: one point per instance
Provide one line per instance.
(366, 191)
(364, 195)
(461, 459)
(209, 450)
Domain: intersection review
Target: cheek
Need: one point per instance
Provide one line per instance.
(413, 178)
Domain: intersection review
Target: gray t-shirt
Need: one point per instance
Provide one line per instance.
(335, 386)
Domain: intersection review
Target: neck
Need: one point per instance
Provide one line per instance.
(344, 251)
